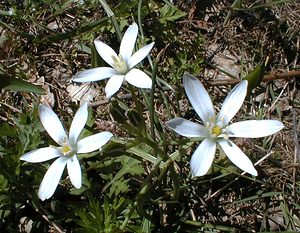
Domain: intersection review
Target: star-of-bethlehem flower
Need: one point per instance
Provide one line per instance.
(66, 152)
(122, 64)
(216, 128)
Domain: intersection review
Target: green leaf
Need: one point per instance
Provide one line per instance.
(14, 84)
(255, 77)
(119, 186)
(258, 196)
(170, 13)
(7, 130)
(83, 48)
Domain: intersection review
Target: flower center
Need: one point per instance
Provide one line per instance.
(67, 150)
(216, 131)
(120, 64)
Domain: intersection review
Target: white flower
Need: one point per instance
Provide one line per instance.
(122, 64)
(216, 128)
(67, 151)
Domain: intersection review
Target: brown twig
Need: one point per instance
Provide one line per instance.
(266, 78)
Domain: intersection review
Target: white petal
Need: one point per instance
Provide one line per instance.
(238, 157)
(128, 41)
(41, 155)
(254, 128)
(113, 85)
(138, 56)
(94, 142)
(187, 128)
(106, 52)
(138, 78)
(78, 123)
(199, 98)
(203, 157)
(95, 74)
(51, 178)
(52, 124)
(74, 171)
(233, 102)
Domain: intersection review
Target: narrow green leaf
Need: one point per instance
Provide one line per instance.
(14, 84)
(258, 196)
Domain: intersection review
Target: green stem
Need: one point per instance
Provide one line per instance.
(152, 101)
(139, 110)
(176, 183)
(235, 4)
(146, 189)
(125, 222)
(141, 28)
(112, 17)
(210, 226)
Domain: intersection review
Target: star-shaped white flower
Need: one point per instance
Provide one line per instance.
(66, 152)
(122, 64)
(216, 128)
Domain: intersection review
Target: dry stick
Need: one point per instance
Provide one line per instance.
(242, 174)
(53, 224)
(277, 99)
(107, 100)
(268, 77)
(297, 151)
(9, 106)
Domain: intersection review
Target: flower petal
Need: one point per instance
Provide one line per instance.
(203, 157)
(187, 128)
(74, 171)
(128, 41)
(106, 52)
(139, 55)
(254, 128)
(113, 85)
(138, 78)
(51, 178)
(95, 74)
(78, 123)
(233, 102)
(199, 98)
(41, 155)
(94, 142)
(52, 124)
(237, 156)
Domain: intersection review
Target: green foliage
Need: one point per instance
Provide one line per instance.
(98, 217)
(14, 141)
(140, 181)
(118, 183)
(169, 13)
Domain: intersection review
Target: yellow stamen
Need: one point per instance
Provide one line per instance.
(66, 149)
(120, 64)
(216, 130)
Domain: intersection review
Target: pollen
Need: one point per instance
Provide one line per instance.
(66, 149)
(216, 130)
